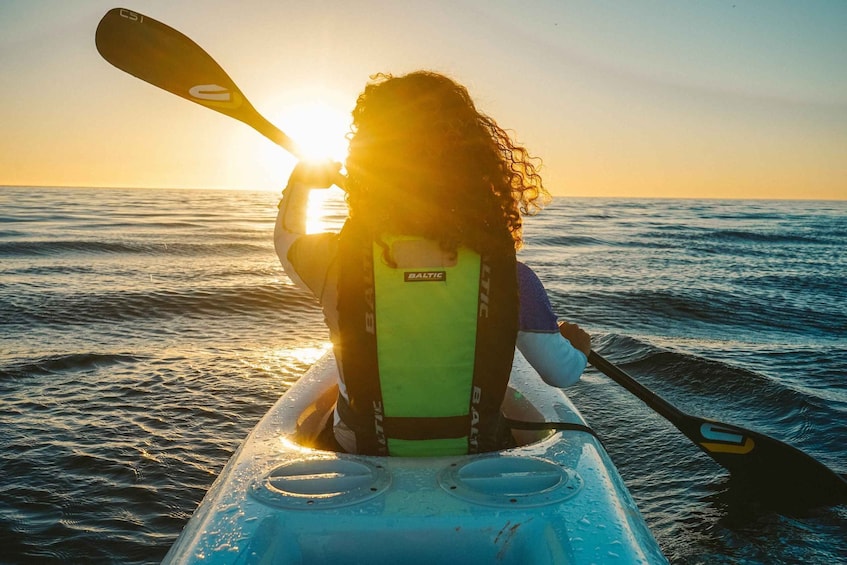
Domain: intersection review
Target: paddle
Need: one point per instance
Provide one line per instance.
(164, 57)
(762, 463)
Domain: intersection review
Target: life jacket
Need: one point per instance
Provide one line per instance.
(426, 351)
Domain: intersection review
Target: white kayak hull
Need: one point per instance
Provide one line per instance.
(557, 498)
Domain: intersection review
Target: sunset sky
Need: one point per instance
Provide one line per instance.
(705, 98)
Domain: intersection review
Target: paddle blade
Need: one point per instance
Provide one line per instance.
(164, 57)
(762, 464)
(758, 463)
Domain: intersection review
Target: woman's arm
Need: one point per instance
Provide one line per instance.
(290, 225)
(291, 222)
(558, 352)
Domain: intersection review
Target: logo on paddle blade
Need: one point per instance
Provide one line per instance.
(215, 96)
(130, 15)
(725, 440)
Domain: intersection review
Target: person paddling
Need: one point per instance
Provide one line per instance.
(421, 290)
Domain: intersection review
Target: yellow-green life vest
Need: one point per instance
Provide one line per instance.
(426, 346)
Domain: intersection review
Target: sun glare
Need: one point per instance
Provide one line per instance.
(316, 122)
(318, 128)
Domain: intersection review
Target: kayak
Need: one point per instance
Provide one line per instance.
(555, 498)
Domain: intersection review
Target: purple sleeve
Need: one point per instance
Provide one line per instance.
(536, 312)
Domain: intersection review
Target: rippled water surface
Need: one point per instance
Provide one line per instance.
(144, 332)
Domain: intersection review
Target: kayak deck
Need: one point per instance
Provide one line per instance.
(556, 498)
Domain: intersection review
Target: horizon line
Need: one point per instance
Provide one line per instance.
(554, 196)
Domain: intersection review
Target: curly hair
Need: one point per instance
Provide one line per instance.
(424, 161)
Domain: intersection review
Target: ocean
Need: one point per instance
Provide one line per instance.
(143, 333)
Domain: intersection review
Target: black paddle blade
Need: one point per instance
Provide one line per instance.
(761, 464)
(164, 57)
(764, 465)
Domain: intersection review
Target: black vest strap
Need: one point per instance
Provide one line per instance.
(357, 326)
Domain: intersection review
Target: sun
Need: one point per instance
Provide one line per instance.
(317, 121)
(318, 128)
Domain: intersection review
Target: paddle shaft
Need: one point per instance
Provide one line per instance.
(649, 397)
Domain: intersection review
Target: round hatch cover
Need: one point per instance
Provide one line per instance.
(510, 481)
(321, 483)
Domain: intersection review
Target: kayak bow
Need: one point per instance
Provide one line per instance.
(556, 498)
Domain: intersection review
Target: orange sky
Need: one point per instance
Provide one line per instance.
(645, 99)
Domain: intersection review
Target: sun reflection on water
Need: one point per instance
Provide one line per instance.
(304, 355)
(326, 210)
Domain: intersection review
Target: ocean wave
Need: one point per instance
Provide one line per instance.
(122, 306)
(769, 309)
(697, 375)
(747, 236)
(53, 364)
(62, 247)
(567, 241)
(12, 233)
(750, 240)
(718, 389)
